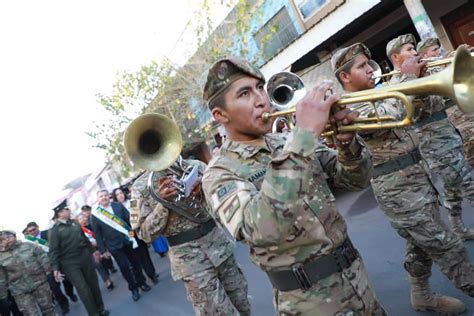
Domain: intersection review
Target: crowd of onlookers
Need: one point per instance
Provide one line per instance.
(60, 265)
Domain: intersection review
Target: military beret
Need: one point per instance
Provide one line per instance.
(7, 231)
(398, 42)
(224, 72)
(427, 43)
(346, 54)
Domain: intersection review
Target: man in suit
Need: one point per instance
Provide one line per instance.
(111, 224)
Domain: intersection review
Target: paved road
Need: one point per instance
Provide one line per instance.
(380, 246)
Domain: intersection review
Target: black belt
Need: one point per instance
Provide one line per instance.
(303, 276)
(436, 116)
(192, 234)
(397, 164)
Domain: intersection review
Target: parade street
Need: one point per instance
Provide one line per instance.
(381, 248)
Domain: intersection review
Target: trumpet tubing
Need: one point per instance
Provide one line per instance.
(455, 82)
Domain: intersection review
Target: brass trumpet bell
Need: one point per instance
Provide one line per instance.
(456, 81)
(285, 90)
(153, 142)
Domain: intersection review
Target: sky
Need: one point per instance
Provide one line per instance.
(55, 56)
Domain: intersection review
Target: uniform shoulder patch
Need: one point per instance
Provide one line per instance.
(222, 192)
(231, 208)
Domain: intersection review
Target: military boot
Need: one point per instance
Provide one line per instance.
(422, 299)
(459, 228)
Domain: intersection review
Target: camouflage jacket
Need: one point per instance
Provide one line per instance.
(440, 136)
(23, 268)
(430, 104)
(154, 219)
(391, 143)
(273, 194)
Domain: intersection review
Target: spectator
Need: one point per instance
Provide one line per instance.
(103, 272)
(107, 263)
(142, 250)
(71, 252)
(111, 224)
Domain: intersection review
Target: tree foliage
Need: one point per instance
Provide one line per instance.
(166, 88)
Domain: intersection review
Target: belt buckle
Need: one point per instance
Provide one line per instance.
(301, 276)
(346, 255)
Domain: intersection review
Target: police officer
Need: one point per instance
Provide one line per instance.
(404, 191)
(71, 253)
(23, 270)
(271, 192)
(200, 253)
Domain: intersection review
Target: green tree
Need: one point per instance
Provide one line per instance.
(166, 88)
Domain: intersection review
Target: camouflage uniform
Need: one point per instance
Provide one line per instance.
(213, 280)
(414, 212)
(407, 196)
(273, 194)
(23, 271)
(442, 148)
(464, 123)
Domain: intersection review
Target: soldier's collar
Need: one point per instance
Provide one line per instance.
(247, 149)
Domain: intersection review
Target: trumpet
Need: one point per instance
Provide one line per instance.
(456, 82)
(430, 63)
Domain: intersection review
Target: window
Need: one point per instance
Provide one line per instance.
(309, 7)
(276, 34)
(313, 11)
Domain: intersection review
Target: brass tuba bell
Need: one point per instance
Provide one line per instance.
(153, 142)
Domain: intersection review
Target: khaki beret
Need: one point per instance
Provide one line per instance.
(226, 71)
(7, 232)
(427, 43)
(398, 42)
(346, 54)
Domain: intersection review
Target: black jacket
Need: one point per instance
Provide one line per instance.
(107, 237)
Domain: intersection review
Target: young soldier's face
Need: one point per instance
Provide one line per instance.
(432, 51)
(407, 50)
(246, 100)
(361, 74)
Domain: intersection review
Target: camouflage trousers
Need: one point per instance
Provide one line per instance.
(409, 200)
(445, 157)
(219, 290)
(464, 122)
(347, 293)
(36, 303)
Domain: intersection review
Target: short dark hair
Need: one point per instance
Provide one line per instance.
(86, 208)
(31, 224)
(345, 68)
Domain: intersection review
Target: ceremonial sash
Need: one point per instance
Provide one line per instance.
(116, 223)
(39, 241)
(89, 234)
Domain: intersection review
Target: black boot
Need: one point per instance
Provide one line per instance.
(135, 295)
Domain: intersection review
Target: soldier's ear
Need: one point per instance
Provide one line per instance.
(220, 115)
(345, 77)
